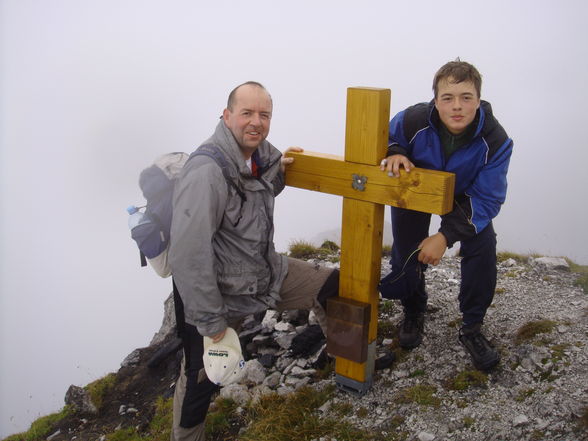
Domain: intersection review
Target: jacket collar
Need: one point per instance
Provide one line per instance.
(483, 112)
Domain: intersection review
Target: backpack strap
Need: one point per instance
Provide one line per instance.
(214, 152)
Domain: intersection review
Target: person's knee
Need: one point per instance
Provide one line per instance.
(329, 289)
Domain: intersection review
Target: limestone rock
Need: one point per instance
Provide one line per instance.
(80, 400)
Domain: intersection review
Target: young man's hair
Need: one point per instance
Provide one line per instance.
(231, 100)
(459, 71)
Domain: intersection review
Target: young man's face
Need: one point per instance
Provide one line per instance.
(457, 104)
(249, 120)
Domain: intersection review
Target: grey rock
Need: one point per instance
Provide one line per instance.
(132, 359)
(237, 392)
(254, 372)
(285, 340)
(54, 435)
(553, 263)
(426, 436)
(270, 320)
(168, 324)
(80, 400)
(284, 327)
(272, 380)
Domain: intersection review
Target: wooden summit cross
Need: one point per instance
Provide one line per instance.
(353, 316)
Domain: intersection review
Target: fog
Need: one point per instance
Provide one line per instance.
(92, 91)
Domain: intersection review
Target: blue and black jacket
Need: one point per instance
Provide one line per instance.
(480, 166)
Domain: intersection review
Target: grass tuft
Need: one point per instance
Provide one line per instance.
(466, 379)
(301, 249)
(294, 417)
(42, 427)
(505, 255)
(330, 246)
(422, 394)
(160, 426)
(583, 422)
(99, 388)
(582, 271)
(529, 330)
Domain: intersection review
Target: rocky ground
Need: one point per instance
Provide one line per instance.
(538, 392)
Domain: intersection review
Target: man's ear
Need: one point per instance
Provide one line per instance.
(226, 113)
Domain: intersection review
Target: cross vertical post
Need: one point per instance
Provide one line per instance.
(366, 141)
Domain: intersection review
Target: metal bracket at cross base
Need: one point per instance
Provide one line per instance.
(347, 337)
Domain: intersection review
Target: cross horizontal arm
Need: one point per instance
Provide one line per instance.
(429, 191)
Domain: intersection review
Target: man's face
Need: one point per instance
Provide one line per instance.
(249, 120)
(457, 104)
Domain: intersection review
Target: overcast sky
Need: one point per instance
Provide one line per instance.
(92, 91)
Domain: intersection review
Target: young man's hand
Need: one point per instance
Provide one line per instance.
(392, 165)
(285, 161)
(432, 249)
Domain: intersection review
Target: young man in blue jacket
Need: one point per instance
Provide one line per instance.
(457, 133)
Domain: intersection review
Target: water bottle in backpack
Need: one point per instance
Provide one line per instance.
(136, 217)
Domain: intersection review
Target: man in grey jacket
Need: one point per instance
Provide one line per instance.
(222, 255)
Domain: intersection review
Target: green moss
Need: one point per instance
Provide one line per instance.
(99, 388)
(386, 250)
(342, 408)
(127, 434)
(557, 351)
(583, 422)
(422, 394)
(524, 394)
(42, 427)
(468, 422)
(466, 379)
(362, 412)
(386, 329)
(219, 417)
(499, 290)
(531, 329)
(582, 272)
(456, 323)
(388, 307)
(417, 373)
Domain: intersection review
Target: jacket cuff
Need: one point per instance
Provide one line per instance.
(212, 327)
(450, 237)
(395, 149)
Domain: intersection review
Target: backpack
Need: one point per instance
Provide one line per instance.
(157, 182)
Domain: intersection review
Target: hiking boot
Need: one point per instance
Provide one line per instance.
(410, 333)
(483, 354)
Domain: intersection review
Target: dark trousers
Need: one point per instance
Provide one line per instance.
(478, 265)
(199, 389)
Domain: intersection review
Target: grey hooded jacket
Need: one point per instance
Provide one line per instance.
(222, 254)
